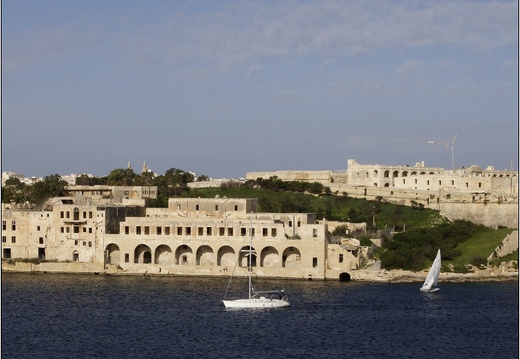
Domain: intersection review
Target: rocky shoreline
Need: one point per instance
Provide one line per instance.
(400, 276)
(504, 272)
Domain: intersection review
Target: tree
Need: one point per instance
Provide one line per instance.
(50, 186)
(121, 177)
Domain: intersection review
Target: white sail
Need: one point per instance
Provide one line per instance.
(430, 284)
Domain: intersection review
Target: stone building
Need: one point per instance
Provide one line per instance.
(193, 236)
(110, 194)
(419, 177)
(488, 197)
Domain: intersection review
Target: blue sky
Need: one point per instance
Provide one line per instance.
(222, 88)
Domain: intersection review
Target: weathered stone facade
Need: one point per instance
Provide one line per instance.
(190, 237)
(487, 197)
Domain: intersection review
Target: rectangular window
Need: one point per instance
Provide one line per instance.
(84, 243)
(13, 225)
(216, 207)
(167, 231)
(76, 229)
(127, 258)
(452, 182)
(440, 182)
(341, 258)
(38, 228)
(61, 214)
(159, 231)
(62, 230)
(127, 229)
(146, 230)
(84, 229)
(7, 253)
(208, 231)
(290, 223)
(84, 214)
(75, 242)
(243, 232)
(230, 232)
(252, 232)
(179, 231)
(273, 232)
(196, 207)
(67, 229)
(264, 232)
(4, 239)
(315, 232)
(236, 208)
(40, 240)
(90, 230)
(4, 225)
(67, 214)
(479, 185)
(428, 182)
(90, 214)
(89, 243)
(314, 262)
(13, 239)
(188, 231)
(138, 230)
(221, 231)
(299, 224)
(200, 231)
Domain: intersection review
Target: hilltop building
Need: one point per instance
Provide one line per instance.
(488, 197)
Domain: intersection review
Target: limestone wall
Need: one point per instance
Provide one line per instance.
(508, 245)
(304, 176)
(482, 208)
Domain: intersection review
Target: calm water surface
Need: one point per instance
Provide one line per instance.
(96, 316)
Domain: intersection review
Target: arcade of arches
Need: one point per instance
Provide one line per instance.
(205, 256)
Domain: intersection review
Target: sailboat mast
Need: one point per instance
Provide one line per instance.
(249, 268)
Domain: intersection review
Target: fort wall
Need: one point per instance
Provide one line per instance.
(487, 197)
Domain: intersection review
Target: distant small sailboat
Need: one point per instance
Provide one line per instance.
(257, 299)
(430, 284)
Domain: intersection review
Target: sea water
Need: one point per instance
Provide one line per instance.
(102, 316)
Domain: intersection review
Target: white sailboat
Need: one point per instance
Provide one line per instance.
(257, 299)
(430, 284)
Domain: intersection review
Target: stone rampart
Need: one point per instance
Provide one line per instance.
(482, 208)
(507, 246)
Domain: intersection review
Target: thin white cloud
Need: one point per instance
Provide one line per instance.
(232, 35)
(239, 33)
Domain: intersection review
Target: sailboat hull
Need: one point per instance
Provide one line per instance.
(257, 303)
